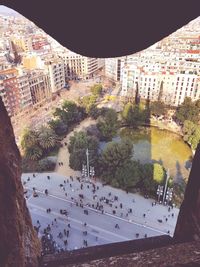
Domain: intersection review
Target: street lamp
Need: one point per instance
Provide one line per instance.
(92, 172)
(167, 178)
(84, 171)
(159, 192)
(169, 194)
(87, 170)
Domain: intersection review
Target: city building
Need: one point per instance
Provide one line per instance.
(78, 66)
(56, 71)
(9, 90)
(113, 68)
(40, 87)
(23, 44)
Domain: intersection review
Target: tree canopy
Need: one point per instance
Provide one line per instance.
(114, 158)
(79, 142)
(191, 133)
(188, 110)
(108, 125)
(96, 89)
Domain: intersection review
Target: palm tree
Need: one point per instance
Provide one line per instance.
(47, 138)
(29, 139)
(33, 153)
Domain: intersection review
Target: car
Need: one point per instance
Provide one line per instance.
(64, 212)
(159, 220)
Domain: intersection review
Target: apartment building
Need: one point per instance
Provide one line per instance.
(113, 68)
(78, 66)
(23, 44)
(177, 83)
(56, 71)
(40, 87)
(24, 88)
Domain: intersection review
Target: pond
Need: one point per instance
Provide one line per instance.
(151, 144)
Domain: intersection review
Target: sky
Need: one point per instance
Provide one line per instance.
(4, 9)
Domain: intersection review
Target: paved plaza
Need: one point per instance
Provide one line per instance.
(96, 214)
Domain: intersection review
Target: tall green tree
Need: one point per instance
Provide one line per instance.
(158, 108)
(47, 138)
(97, 89)
(69, 113)
(160, 95)
(114, 158)
(58, 127)
(78, 144)
(108, 125)
(188, 110)
(158, 173)
(29, 138)
(33, 153)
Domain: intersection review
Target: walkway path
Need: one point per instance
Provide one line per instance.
(63, 154)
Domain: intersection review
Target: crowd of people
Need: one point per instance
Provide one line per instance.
(99, 204)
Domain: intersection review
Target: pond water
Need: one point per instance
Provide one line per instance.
(151, 144)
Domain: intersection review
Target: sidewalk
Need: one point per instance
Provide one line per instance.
(63, 154)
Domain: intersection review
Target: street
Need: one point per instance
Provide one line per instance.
(113, 215)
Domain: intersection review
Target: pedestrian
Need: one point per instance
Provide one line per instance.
(38, 222)
(65, 232)
(166, 219)
(69, 225)
(144, 215)
(55, 220)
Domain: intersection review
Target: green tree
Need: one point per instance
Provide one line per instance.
(69, 113)
(194, 139)
(158, 108)
(147, 183)
(158, 173)
(114, 158)
(47, 138)
(188, 110)
(134, 115)
(191, 133)
(160, 95)
(33, 153)
(29, 138)
(128, 176)
(58, 127)
(78, 144)
(108, 125)
(88, 102)
(96, 89)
